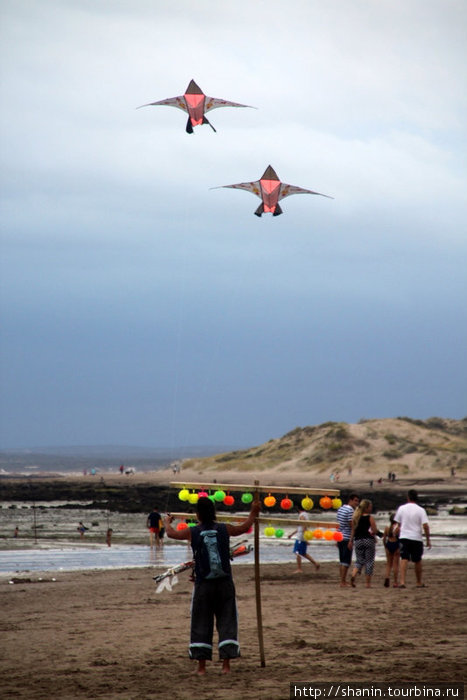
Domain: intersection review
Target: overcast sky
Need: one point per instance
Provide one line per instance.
(141, 307)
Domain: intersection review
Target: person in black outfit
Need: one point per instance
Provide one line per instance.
(214, 591)
(154, 522)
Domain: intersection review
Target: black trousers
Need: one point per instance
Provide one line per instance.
(214, 599)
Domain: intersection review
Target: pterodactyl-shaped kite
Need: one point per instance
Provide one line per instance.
(270, 190)
(196, 103)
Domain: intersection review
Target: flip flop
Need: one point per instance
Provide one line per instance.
(421, 586)
(403, 586)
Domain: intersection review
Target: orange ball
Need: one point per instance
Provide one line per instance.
(328, 534)
(325, 502)
(318, 534)
(269, 501)
(182, 526)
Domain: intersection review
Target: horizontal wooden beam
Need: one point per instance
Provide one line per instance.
(276, 520)
(287, 490)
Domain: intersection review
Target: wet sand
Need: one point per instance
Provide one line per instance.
(107, 634)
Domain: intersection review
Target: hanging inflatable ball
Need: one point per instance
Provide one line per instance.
(184, 494)
(247, 498)
(325, 502)
(336, 503)
(307, 503)
(279, 532)
(318, 534)
(308, 535)
(193, 498)
(337, 536)
(269, 531)
(212, 497)
(286, 504)
(269, 501)
(219, 496)
(229, 500)
(182, 526)
(328, 535)
(202, 494)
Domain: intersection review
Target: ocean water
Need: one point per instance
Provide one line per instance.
(69, 552)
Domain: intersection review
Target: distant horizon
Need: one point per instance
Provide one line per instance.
(207, 446)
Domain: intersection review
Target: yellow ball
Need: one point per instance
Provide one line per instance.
(193, 498)
(307, 503)
(336, 503)
(184, 494)
(269, 531)
(308, 535)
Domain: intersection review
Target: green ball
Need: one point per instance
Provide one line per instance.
(247, 498)
(279, 532)
(219, 496)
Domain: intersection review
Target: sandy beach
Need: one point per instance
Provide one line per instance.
(109, 635)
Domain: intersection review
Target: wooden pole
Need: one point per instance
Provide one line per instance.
(259, 616)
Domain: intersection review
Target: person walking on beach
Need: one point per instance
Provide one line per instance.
(214, 590)
(344, 519)
(81, 529)
(364, 531)
(154, 523)
(392, 548)
(301, 545)
(413, 523)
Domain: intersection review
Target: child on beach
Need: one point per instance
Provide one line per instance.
(301, 545)
(392, 549)
(214, 591)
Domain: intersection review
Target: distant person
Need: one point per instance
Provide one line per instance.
(301, 545)
(344, 519)
(214, 590)
(108, 537)
(81, 529)
(154, 523)
(364, 531)
(16, 532)
(413, 524)
(121, 468)
(392, 548)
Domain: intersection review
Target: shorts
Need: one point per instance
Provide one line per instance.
(393, 547)
(154, 530)
(412, 550)
(300, 548)
(345, 554)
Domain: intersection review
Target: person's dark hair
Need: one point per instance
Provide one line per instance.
(413, 495)
(351, 496)
(205, 510)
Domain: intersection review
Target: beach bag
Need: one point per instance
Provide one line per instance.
(209, 559)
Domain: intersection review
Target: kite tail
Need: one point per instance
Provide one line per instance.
(189, 128)
(260, 210)
(277, 211)
(205, 121)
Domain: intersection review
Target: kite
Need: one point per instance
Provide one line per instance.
(196, 103)
(270, 190)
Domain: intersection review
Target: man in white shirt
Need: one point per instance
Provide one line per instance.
(413, 522)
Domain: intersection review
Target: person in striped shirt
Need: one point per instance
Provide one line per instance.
(344, 518)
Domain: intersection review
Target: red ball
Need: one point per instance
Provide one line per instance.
(182, 526)
(338, 536)
(229, 500)
(286, 504)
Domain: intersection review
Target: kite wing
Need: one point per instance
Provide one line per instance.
(287, 190)
(178, 102)
(214, 103)
(253, 187)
